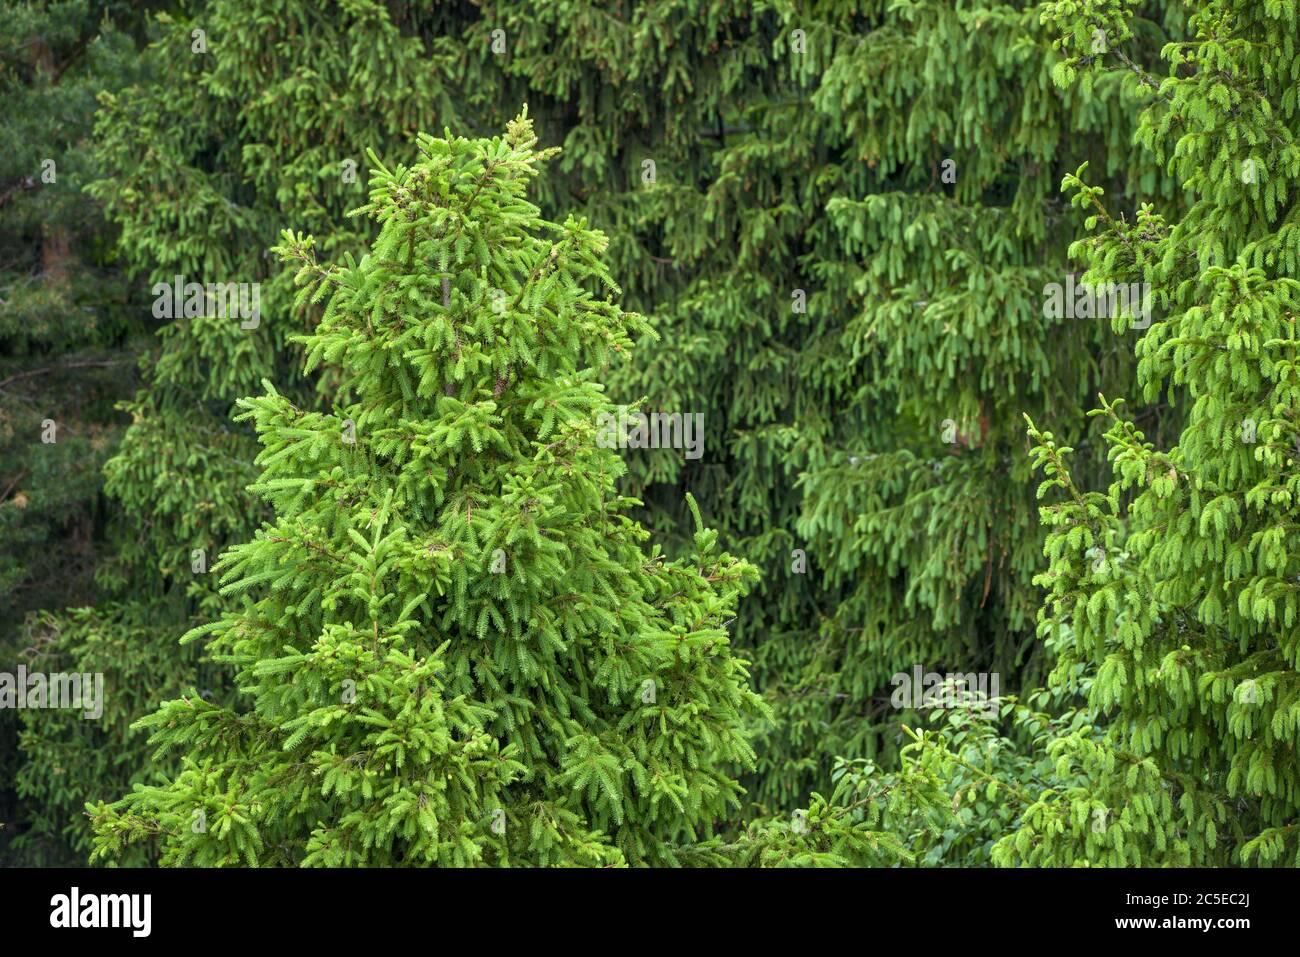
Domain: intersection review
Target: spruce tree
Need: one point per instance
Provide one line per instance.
(205, 144)
(859, 247)
(1167, 736)
(451, 644)
(1175, 587)
(898, 165)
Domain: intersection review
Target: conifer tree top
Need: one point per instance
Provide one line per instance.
(451, 643)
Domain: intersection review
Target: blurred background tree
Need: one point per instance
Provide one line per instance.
(71, 328)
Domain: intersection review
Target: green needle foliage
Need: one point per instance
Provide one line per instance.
(1169, 734)
(1176, 586)
(891, 453)
(190, 197)
(843, 217)
(451, 644)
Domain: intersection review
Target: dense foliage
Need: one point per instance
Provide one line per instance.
(855, 231)
(449, 632)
